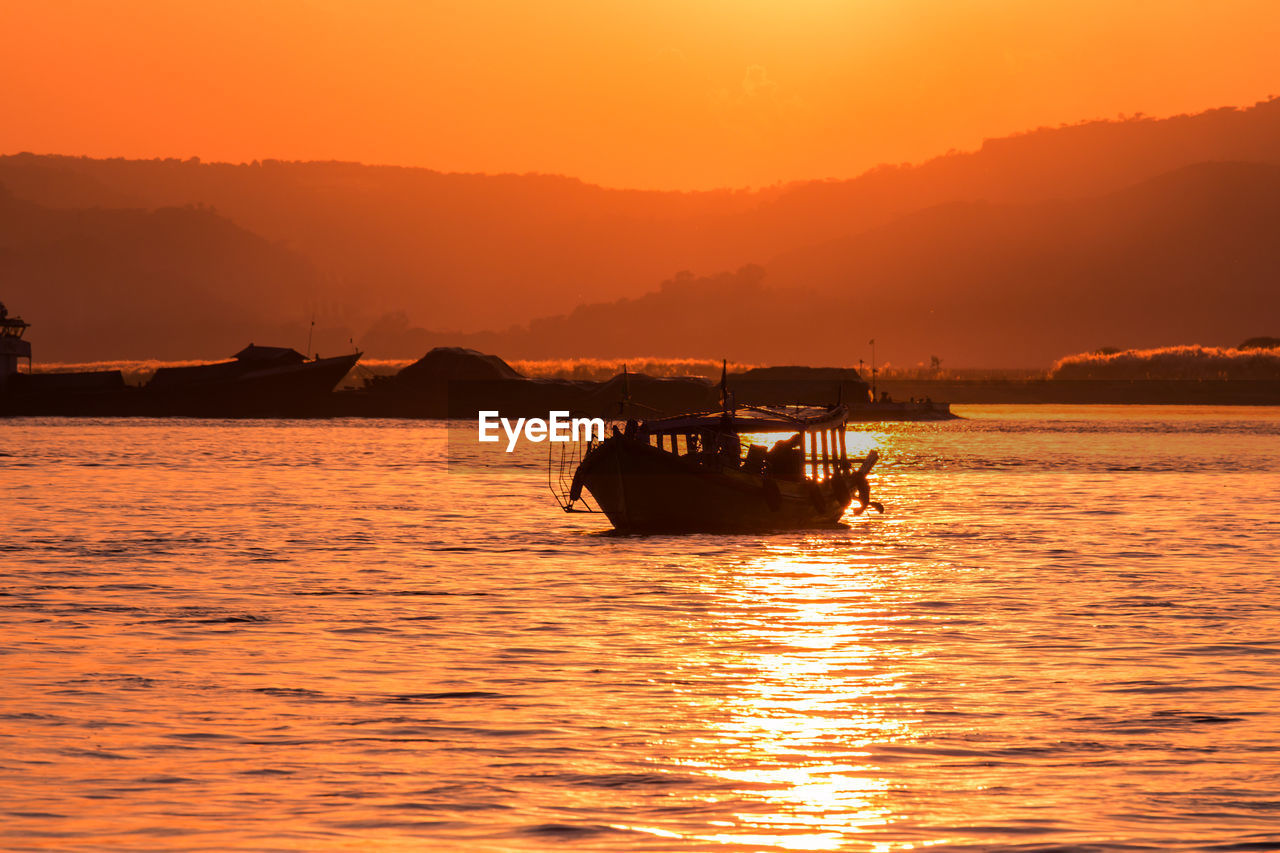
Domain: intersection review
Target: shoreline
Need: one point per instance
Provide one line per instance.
(358, 405)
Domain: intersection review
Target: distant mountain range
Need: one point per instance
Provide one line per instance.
(171, 283)
(1140, 232)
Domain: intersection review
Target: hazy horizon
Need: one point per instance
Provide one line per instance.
(661, 95)
(178, 260)
(780, 183)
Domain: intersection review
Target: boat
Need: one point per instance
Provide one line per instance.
(704, 472)
(257, 377)
(258, 381)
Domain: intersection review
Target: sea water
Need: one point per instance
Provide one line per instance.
(1063, 632)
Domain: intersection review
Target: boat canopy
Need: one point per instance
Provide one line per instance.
(753, 419)
(12, 327)
(283, 355)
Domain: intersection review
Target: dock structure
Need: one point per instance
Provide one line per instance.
(12, 347)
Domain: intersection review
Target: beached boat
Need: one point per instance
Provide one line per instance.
(704, 472)
(256, 374)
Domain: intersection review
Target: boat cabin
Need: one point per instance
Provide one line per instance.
(814, 451)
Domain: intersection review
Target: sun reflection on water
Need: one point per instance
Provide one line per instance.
(791, 740)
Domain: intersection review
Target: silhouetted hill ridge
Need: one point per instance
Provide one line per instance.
(474, 252)
(167, 283)
(1181, 257)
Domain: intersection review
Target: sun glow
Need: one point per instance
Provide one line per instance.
(665, 94)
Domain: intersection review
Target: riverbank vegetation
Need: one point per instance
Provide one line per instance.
(1181, 362)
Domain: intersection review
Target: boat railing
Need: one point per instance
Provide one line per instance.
(563, 459)
(13, 327)
(823, 452)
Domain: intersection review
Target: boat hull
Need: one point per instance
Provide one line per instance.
(644, 489)
(232, 389)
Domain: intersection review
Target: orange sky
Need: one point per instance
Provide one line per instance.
(653, 93)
